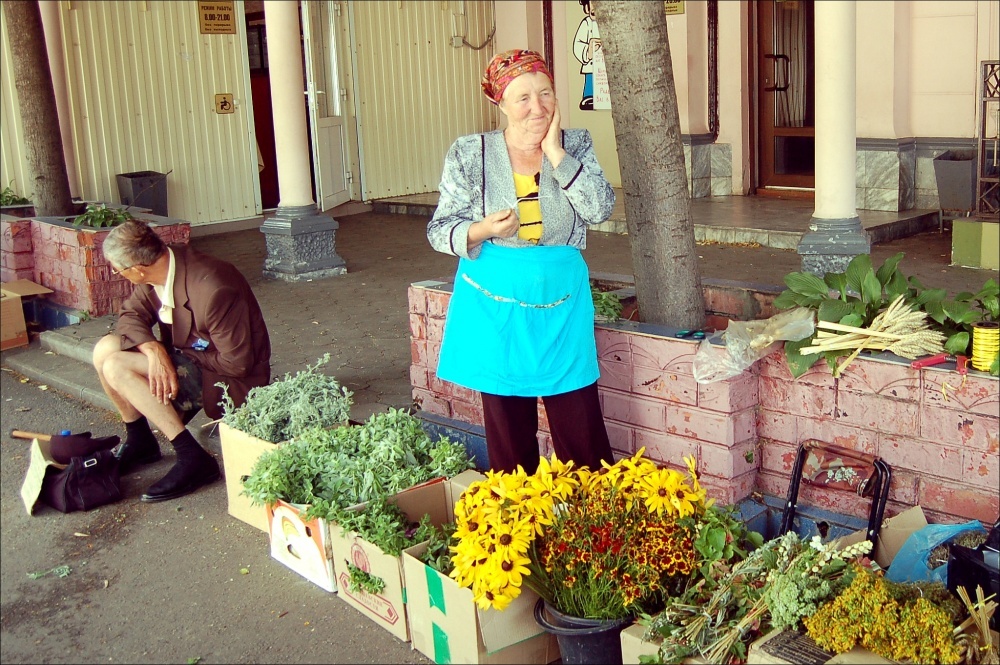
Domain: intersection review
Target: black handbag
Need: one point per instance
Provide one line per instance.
(87, 482)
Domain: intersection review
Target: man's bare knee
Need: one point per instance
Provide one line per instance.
(106, 346)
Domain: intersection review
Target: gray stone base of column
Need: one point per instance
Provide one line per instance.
(831, 244)
(301, 245)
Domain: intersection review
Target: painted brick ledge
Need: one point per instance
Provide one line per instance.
(940, 434)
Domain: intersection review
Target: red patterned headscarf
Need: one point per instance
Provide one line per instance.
(507, 66)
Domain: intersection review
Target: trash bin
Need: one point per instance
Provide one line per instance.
(955, 173)
(144, 189)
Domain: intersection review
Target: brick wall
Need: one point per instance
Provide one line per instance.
(940, 435)
(16, 256)
(69, 261)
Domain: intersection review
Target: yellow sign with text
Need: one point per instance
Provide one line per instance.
(673, 7)
(217, 18)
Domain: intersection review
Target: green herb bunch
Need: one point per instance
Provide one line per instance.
(607, 304)
(384, 524)
(729, 605)
(8, 197)
(359, 580)
(286, 408)
(334, 469)
(438, 552)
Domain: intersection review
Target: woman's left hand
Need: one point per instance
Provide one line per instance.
(552, 142)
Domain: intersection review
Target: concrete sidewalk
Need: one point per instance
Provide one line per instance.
(361, 319)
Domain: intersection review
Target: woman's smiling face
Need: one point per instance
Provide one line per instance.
(529, 103)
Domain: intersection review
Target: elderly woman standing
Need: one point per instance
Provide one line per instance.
(514, 206)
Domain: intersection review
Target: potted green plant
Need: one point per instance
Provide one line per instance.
(11, 203)
(99, 215)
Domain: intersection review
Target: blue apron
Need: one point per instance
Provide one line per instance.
(521, 322)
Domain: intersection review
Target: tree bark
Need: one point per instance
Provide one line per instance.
(647, 129)
(37, 103)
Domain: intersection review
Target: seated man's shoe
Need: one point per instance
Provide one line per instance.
(131, 455)
(185, 477)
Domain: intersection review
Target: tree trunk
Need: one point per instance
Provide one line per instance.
(37, 102)
(647, 128)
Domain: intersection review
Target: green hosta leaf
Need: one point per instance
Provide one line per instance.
(859, 267)
(935, 310)
(931, 295)
(992, 306)
(990, 288)
(853, 320)
(957, 344)
(888, 268)
(799, 364)
(915, 283)
(837, 281)
(960, 312)
(834, 310)
(807, 284)
(897, 286)
(788, 299)
(995, 367)
(871, 290)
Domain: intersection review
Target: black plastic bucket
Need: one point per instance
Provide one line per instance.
(583, 641)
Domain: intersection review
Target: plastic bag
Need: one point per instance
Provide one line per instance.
(910, 564)
(747, 342)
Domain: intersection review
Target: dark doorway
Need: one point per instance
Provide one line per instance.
(785, 94)
(260, 94)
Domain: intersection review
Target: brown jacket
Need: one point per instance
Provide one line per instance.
(212, 302)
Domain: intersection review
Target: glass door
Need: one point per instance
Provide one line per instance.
(786, 93)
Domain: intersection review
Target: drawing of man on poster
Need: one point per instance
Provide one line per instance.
(585, 45)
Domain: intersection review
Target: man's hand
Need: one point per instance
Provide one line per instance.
(162, 374)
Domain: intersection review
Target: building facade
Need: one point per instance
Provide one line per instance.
(184, 88)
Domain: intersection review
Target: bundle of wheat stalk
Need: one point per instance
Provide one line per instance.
(899, 329)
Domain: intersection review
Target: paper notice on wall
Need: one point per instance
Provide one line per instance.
(602, 93)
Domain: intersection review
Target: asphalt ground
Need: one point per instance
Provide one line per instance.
(182, 581)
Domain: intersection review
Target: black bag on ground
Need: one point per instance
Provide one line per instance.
(88, 482)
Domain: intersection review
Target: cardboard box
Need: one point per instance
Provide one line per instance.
(13, 328)
(782, 647)
(303, 546)
(633, 646)
(443, 617)
(388, 608)
(239, 453)
(891, 535)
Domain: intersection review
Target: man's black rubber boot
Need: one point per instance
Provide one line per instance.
(139, 447)
(195, 467)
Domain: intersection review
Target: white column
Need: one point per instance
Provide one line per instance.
(836, 109)
(301, 241)
(291, 138)
(835, 233)
(53, 46)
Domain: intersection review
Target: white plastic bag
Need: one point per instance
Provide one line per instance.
(747, 342)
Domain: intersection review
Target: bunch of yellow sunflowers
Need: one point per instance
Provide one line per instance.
(599, 544)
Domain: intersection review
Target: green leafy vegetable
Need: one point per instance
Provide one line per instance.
(335, 469)
(607, 304)
(288, 407)
(100, 215)
(359, 580)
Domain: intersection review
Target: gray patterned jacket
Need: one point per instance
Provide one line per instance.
(572, 196)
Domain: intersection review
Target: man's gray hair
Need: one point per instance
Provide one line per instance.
(133, 243)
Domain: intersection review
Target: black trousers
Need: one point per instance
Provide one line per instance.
(575, 421)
